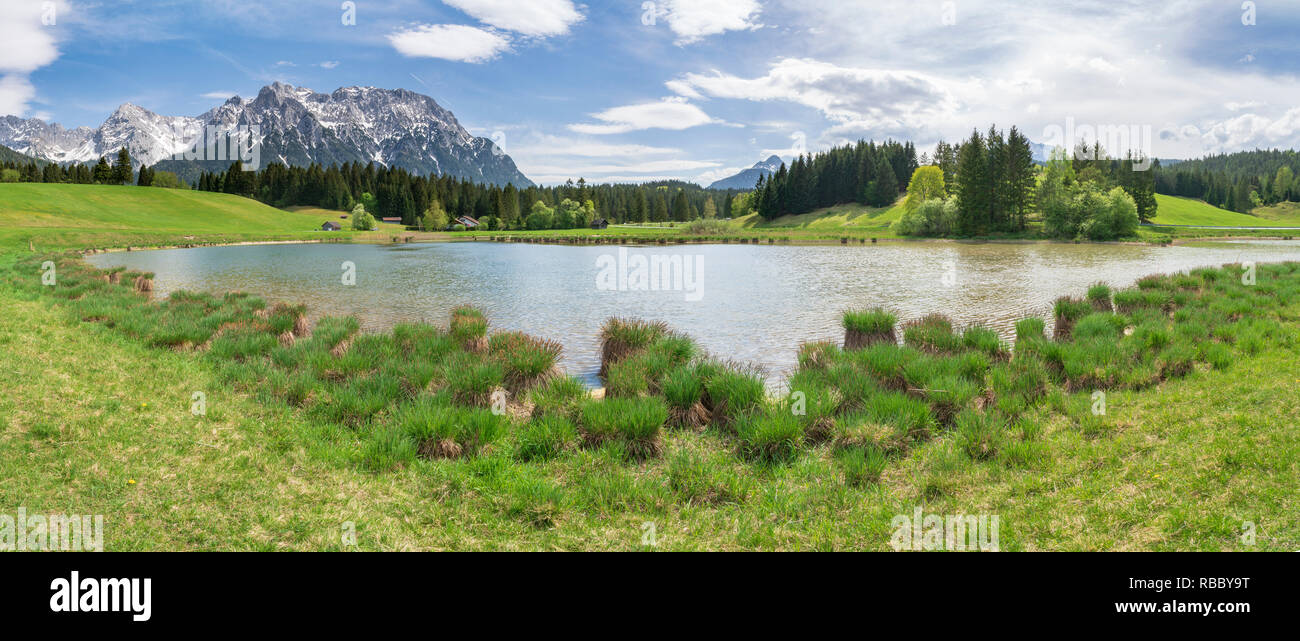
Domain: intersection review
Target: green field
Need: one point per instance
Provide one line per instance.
(304, 440)
(1185, 211)
(116, 216)
(852, 217)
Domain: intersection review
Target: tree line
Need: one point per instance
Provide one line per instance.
(118, 172)
(1238, 182)
(393, 192)
(865, 172)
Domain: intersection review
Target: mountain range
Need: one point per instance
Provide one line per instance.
(746, 180)
(298, 127)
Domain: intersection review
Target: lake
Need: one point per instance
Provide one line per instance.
(747, 303)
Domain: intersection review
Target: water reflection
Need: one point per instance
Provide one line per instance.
(759, 303)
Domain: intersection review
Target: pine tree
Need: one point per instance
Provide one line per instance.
(972, 190)
(122, 172)
(103, 173)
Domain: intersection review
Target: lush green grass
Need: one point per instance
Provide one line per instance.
(1185, 211)
(52, 216)
(1285, 214)
(851, 217)
(300, 439)
(399, 434)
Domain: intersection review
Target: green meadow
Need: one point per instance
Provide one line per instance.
(1161, 417)
(455, 437)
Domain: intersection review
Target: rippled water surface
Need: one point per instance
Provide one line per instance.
(756, 303)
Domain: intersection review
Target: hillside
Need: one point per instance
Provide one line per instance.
(69, 214)
(8, 155)
(1185, 211)
(851, 217)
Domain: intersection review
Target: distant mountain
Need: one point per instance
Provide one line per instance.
(8, 155)
(298, 127)
(1042, 153)
(746, 180)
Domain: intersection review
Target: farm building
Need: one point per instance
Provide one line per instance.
(330, 226)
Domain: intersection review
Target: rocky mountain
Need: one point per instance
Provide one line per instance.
(746, 180)
(8, 155)
(298, 127)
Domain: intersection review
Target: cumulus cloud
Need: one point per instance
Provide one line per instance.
(673, 114)
(27, 43)
(845, 95)
(1248, 131)
(539, 18)
(454, 42)
(15, 92)
(328, 64)
(693, 20)
(218, 95)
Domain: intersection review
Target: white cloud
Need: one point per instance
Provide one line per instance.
(27, 43)
(556, 146)
(692, 20)
(449, 42)
(218, 95)
(538, 18)
(673, 114)
(844, 95)
(328, 64)
(15, 92)
(1247, 131)
(285, 63)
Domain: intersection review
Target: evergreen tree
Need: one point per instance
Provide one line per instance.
(122, 172)
(103, 173)
(972, 187)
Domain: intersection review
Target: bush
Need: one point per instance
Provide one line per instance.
(707, 227)
(933, 218)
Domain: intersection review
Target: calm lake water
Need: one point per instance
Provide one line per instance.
(747, 303)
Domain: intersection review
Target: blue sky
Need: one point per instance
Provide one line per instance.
(696, 89)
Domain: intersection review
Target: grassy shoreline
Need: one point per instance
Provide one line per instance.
(573, 477)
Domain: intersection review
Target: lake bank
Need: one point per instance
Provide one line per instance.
(756, 303)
